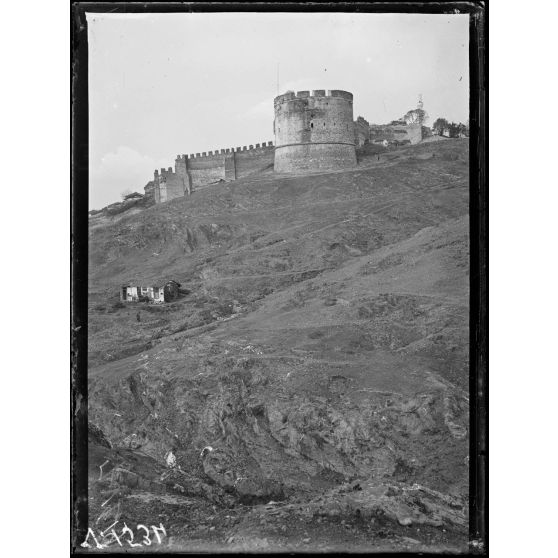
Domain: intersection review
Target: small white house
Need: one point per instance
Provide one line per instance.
(130, 293)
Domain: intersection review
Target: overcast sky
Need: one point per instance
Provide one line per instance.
(164, 84)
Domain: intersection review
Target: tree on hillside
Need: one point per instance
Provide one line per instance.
(461, 129)
(440, 124)
(125, 193)
(416, 116)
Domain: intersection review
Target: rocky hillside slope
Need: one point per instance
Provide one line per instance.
(321, 358)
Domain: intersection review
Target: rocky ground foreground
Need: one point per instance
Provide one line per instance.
(313, 384)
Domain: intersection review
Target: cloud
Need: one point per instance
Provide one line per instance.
(114, 172)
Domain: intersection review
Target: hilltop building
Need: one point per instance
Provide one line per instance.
(314, 131)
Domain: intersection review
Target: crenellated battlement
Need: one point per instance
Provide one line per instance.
(258, 147)
(158, 175)
(315, 94)
(196, 170)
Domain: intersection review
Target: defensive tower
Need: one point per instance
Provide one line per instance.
(314, 131)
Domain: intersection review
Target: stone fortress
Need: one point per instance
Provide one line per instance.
(314, 131)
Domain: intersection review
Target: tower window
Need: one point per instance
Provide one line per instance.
(311, 124)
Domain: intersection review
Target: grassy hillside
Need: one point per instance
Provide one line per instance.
(324, 342)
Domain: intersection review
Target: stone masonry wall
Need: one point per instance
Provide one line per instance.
(362, 131)
(168, 185)
(204, 169)
(201, 169)
(253, 160)
(314, 131)
(149, 190)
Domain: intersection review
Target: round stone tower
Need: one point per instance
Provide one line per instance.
(314, 131)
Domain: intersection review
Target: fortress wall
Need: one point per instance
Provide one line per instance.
(201, 169)
(171, 186)
(206, 169)
(180, 167)
(362, 131)
(315, 157)
(175, 186)
(149, 190)
(253, 160)
(319, 119)
(314, 119)
(230, 166)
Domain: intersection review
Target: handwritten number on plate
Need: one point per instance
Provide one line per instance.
(146, 539)
(127, 529)
(156, 529)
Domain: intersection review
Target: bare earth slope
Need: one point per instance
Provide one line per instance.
(322, 354)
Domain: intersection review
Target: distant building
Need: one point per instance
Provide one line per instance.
(396, 130)
(131, 293)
